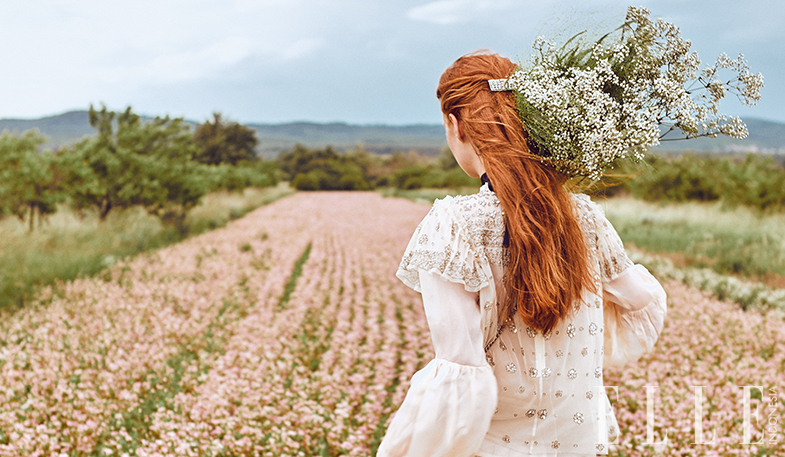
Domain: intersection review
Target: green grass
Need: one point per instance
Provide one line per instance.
(427, 196)
(296, 272)
(218, 208)
(739, 241)
(69, 245)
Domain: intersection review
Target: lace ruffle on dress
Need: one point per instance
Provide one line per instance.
(516, 392)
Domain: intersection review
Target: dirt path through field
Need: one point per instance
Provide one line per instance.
(286, 333)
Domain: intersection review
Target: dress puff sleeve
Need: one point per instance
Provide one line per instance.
(441, 244)
(449, 405)
(635, 304)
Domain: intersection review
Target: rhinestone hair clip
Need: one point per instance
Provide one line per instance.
(499, 85)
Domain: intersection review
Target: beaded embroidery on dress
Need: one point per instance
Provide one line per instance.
(544, 379)
(455, 238)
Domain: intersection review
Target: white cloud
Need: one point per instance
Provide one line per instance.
(300, 48)
(183, 65)
(67, 54)
(446, 12)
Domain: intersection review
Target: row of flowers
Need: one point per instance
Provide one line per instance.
(745, 293)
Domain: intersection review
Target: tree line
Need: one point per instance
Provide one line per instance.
(161, 165)
(326, 169)
(752, 180)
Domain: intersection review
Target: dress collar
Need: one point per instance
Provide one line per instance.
(484, 179)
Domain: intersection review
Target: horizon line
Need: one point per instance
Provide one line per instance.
(413, 124)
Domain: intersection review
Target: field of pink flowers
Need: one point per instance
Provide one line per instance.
(287, 334)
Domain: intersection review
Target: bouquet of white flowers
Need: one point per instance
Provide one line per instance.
(586, 105)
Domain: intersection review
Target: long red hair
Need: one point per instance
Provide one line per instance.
(548, 259)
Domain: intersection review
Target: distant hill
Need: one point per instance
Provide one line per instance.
(428, 139)
(69, 127)
(60, 130)
(765, 136)
(379, 139)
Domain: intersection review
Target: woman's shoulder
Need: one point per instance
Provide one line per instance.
(601, 237)
(584, 203)
(588, 212)
(481, 217)
(482, 204)
(445, 244)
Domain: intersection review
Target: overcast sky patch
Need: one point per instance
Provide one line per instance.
(446, 12)
(358, 61)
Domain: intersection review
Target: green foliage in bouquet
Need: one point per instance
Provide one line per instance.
(588, 103)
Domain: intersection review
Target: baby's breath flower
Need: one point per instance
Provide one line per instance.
(734, 128)
(585, 106)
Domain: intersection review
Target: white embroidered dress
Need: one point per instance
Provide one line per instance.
(517, 392)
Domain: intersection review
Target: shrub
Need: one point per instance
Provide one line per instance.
(753, 180)
(309, 181)
(325, 169)
(410, 177)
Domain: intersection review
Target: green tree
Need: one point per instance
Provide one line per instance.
(31, 183)
(141, 163)
(678, 179)
(263, 173)
(410, 177)
(225, 142)
(756, 181)
(325, 169)
(302, 160)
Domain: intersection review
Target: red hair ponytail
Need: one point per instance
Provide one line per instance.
(548, 260)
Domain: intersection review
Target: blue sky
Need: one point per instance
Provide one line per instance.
(356, 61)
